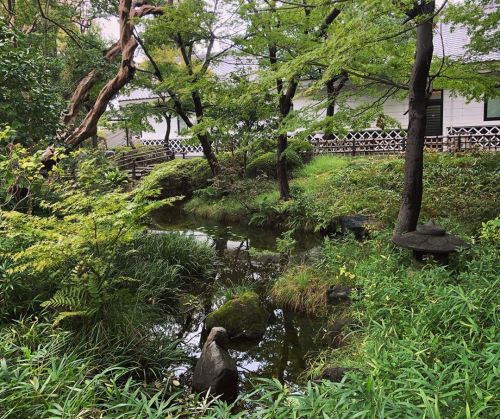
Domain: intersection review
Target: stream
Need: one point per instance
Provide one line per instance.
(246, 256)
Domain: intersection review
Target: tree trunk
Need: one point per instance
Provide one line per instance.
(333, 88)
(11, 12)
(166, 139)
(281, 168)
(205, 142)
(411, 199)
(127, 45)
(82, 91)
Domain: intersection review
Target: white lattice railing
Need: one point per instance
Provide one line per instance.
(376, 141)
(394, 141)
(177, 145)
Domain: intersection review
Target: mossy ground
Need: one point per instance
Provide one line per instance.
(460, 192)
(178, 177)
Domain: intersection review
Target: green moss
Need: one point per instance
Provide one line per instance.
(175, 178)
(243, 316)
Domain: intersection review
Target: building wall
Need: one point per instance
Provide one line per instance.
(159, 129)
(457, 112)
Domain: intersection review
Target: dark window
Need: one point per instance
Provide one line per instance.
(435, 114)
(492, 109)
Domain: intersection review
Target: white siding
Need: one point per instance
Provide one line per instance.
(458, 113)
(159, 129)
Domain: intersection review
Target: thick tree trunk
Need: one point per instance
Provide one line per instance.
(411, 199)
(82, 91)
(209, 154)
(127, 45)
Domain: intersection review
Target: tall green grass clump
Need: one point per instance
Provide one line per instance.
(42, 374)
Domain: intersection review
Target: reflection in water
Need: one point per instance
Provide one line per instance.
(288, 338)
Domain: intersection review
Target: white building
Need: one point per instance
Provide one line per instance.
(453, 122)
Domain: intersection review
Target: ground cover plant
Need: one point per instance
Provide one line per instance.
(82, 284)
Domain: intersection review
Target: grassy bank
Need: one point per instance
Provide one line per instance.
(460, 191)
(82, 287)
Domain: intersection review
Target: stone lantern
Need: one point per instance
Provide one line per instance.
(430, 239)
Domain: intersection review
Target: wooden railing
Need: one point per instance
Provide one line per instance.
(139, 163)
(389, 145)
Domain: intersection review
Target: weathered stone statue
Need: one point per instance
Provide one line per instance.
(216, 371)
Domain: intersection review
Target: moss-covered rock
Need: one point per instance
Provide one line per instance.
(243, 316)
(175, 178)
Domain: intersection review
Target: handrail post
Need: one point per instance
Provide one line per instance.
(133, 170)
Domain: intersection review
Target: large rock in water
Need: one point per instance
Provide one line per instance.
(242, 317)
(216, 371)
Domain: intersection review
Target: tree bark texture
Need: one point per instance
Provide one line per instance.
(333, 89)
(205, 142)
(127, 45)
(281, 166)
(411, 199)
(82, 91)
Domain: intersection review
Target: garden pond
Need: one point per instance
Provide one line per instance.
(246, 258)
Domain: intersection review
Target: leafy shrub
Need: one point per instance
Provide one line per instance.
(490, 232)
(265, 164)
(302, 148)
